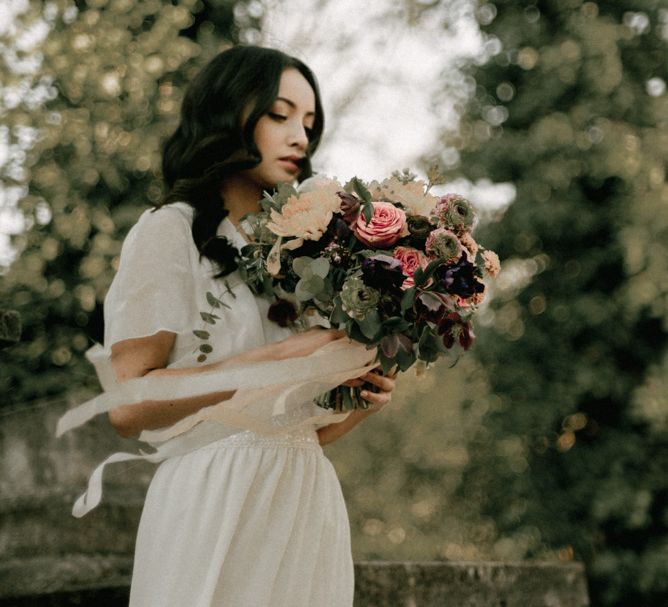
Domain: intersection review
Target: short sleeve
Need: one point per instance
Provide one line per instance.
(154, 288)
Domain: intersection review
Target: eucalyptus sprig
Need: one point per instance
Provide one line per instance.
(210, 318)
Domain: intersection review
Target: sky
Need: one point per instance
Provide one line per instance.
(382, 83)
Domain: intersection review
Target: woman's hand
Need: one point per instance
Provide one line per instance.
(385, 384)
(377, 400)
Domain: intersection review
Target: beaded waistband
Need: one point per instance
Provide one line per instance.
(302, 439)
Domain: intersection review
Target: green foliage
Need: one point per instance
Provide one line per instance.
(572, 459)
(111, 79)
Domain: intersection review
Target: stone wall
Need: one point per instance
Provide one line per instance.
(49, 558)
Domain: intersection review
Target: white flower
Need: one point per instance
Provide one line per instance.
(411, 195)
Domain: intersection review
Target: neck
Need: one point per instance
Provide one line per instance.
(240, 196)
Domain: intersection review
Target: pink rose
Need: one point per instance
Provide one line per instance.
(410, 260)
(387, 225)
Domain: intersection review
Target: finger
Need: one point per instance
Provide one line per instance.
(385, 383)
(377, 399)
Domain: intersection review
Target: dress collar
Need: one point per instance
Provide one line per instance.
(232, 233)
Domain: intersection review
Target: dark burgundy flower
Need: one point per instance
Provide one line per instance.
(460, 278)
(342, 231)
(454, 328)
(350, 207)
(382, 272)
(282, 312)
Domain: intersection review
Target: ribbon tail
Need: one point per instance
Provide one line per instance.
(93, 494)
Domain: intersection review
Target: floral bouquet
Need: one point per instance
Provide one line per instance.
(391, 264)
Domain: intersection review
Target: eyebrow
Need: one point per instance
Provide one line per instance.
(293, 105)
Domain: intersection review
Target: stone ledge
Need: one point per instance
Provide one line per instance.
(474, 584)
(103, 580)
(47, 578)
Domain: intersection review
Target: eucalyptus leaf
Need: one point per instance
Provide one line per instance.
(307, 288)
(301, 265)
(320, 267)
(202, 334)
(206, 348)
(209, 318)
(212, 300)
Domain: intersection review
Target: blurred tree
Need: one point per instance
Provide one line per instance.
(571, 107)
(90, 91)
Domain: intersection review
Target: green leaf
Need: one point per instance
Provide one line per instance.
(356, 333)
(206, 348)
(209, 318)
(338, 316)
(395, 324)
(301, 266)
(229, 289)
(367, 212)
(320, 267)
(212, 300)
(422, 276)
(201, 334)
(360, 190)
(370, 325)
(307, 288)
(201, 358)
(405, 359)
(386, 362)
(408, 299)
(284, 191)
(429, 348)
(431, 301)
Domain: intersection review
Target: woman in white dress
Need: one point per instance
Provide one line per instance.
(247, 520)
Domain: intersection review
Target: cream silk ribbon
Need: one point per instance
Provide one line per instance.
(265, 394)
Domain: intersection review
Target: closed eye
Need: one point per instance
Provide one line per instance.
(278, 117)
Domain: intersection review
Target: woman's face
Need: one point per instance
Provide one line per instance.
(282, 135)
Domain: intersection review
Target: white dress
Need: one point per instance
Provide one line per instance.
(246, 520)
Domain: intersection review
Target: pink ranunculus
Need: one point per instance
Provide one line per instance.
(492, 263)
(387, 225)
(410, 259)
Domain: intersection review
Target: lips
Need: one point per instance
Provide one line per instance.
(292, 163)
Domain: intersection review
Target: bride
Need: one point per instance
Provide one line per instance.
(246, 520)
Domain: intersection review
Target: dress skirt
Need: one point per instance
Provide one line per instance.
(247, 521)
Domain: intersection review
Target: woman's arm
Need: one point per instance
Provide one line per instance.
(376, 400)
(148, 356)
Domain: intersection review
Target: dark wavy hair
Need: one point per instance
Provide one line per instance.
(211, 143)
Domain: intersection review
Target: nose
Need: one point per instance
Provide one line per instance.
(298, 137)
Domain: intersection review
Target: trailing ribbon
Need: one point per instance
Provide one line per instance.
(265, 394)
